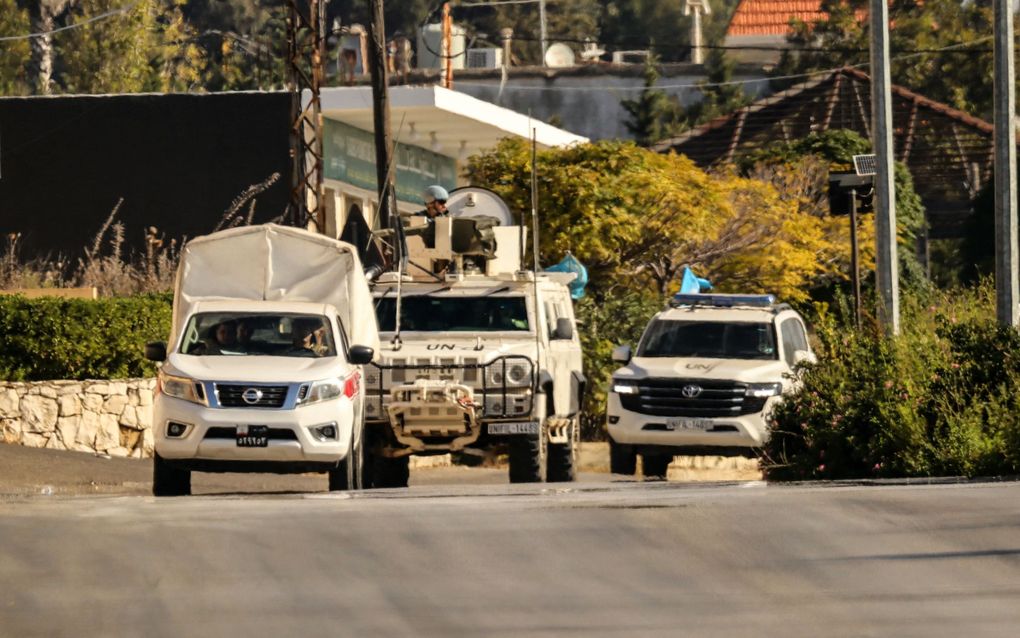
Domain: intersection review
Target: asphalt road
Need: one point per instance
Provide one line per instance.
(593, 559)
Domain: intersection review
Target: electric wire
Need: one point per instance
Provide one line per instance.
(76, 25)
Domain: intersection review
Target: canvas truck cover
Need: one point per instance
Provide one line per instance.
(275, 263)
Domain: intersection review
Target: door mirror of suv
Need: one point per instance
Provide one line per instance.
(564, 329)
(621, 354)
(800, 356)
(360, 355)
(155, 351)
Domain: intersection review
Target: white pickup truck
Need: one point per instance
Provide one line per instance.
(263, 368)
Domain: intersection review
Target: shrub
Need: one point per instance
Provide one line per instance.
(51, 338)
(940, 399)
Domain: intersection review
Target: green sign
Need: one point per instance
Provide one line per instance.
(350, 157)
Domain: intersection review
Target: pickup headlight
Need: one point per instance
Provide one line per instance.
(623, 386)
(332, 388)
(764, 390)
(181, 388)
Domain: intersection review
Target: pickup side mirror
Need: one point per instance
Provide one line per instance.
(621, 354)
(360, 355)
(155, 351)
(564, 329)
(800, 356)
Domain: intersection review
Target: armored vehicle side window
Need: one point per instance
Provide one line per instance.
(709, 339)
(454, 314)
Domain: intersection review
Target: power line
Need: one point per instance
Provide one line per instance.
(96, 18)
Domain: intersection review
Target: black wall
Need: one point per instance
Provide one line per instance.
(177, 160)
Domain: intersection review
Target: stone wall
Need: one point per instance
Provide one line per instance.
(104, 417)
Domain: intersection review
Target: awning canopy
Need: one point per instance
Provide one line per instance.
(446, 122)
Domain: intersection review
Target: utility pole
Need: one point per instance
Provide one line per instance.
(1006, 288)
(381, 115)
(543, 35)
(697, 8)
(305, 53)
(886, 266)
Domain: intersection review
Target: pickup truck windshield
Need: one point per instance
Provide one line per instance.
(454, 314)
(240, 334)
(709, 339)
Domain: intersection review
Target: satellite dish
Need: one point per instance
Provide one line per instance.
(559, 55)
(471, 201)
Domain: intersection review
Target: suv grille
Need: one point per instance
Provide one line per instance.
(664, 397)
(231, 395)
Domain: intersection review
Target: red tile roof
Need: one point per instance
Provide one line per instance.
(772, 17)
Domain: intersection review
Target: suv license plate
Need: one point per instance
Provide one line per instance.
(528, 427)
(252, 436)
(689, 424)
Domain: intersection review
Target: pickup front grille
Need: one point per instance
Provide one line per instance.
(665, 397)
(232, 395)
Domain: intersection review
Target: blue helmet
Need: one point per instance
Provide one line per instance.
(435, 192)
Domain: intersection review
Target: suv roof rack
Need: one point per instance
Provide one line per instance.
(762, 302)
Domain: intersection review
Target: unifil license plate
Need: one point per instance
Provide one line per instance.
(525, 427)
(252, 436)
(682, 423)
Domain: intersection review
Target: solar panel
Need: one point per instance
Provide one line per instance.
(865, 164)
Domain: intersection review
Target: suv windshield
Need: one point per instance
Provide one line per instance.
(277, 335)
(454, 314)
(709, 339)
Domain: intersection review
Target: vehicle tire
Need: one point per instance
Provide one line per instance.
(347, 475)
(168, 480)
(390, 472)
(526, 458)
(622, 459)
(654, 466)
(559, 463)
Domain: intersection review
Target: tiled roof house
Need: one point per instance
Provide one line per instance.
(766, 23)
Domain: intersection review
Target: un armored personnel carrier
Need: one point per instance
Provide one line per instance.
(478, 355)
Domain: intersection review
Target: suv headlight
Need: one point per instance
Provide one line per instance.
(764, 390)
(623, 386)
(181, 388)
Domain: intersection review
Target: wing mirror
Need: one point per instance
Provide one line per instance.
(155, 351)
(800, 356)
(360, 355)
(621, 354)
(564, 329)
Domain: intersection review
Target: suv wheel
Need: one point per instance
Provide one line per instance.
(622, 459)
(168, 480)
(560, 467)
(654, 466)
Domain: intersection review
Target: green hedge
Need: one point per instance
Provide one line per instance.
(940, 400)
(51, 338)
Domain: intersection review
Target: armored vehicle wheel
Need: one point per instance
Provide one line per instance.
(654, 466)
(559, 464)
(347, 475)
(526, 458)
(622, 459)
(168, 480)
(388, 472)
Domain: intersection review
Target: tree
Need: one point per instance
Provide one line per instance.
(649, 109)
(636, 217)
(149, 47)
(43, 14)
(243, 41)
(719, 97)
(15, 54)
(958, 76)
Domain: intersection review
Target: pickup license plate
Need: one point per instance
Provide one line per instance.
(682, 423)
(527, 427)
(252, 436)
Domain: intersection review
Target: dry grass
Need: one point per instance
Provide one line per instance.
(107, 264)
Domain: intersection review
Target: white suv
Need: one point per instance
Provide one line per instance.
(706, 374)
